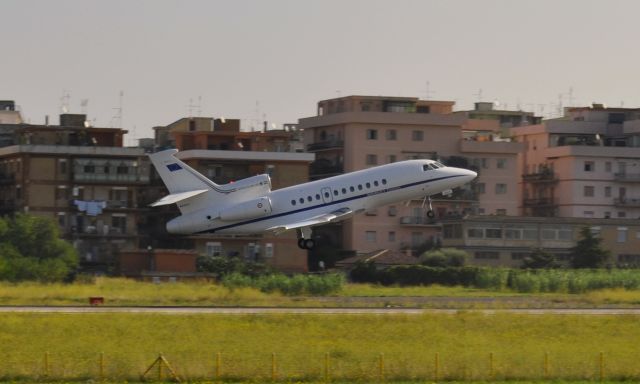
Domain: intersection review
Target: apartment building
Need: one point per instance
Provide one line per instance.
(223, 153)
(80, 176)
(504, 241)
(354, 132)
(586, 164)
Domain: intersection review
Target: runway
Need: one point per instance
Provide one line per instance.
(309, 311)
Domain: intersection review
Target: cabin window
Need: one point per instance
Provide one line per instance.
(301, 200)
(318, 196)
(293, 202)
(327, 194)
(309, 198)
(335, 192)
(368, 185)
(376, 183)
(352, 189)
(344, 190)
(384, 181)
(359, 187)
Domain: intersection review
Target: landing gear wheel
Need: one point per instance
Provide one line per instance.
(301, 243)
(309, 244)
(431, 214)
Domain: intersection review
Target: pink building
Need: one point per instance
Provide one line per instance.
(356, 132)
(586, 164)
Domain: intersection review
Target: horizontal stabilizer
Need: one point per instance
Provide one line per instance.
(176, 197)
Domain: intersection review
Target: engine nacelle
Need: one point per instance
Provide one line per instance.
(247, 210)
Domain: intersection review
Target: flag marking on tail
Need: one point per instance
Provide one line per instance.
(174, 167)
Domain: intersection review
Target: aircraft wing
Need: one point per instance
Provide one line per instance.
(339, 214)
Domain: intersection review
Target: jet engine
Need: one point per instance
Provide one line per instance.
(247, 210)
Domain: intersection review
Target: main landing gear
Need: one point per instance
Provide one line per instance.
(304, 239)
(430, 213)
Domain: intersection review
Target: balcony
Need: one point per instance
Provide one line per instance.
(626, 202)
(546, 176)
(421, 221)
(109, 178)
(324, 145)
(627, 177)
(539, 202)
(321, 169)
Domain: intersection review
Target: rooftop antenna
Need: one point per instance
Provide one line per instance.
(428, 91)
(64, 101)
(199, 106)
(83, 106)
(118, 118)
(479, 94)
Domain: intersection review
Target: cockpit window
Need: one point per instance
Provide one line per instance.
(438, 165)
(428, 167)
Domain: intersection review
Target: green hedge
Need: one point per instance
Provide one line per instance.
(314, 285)
(526, 281)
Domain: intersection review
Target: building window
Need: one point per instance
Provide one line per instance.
(480, 188)
(213, 248)
(493, 233)
(372, 159)
(484, 163)
(589, 166)
(268, 250)
(391, 134)
(62, 219)
(119, 223)
(62, 166)
(487, 255)
(588, 214)
(89, 168)
(417, 135)
(501, 188)
(372, 134)
(475, 233)
(501, 212)
(622, 215)
(392, 236)
(622, 234)
(501, 163)
(392, 159)
(370, 236)
(607, 191)
(588, 191)
(392, 211)
(607, 166)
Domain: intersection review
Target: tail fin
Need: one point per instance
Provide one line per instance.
(178, 176)
(186, 186)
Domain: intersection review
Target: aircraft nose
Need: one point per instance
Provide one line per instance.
(468, 175)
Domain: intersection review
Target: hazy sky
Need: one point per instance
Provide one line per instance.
(275, 59)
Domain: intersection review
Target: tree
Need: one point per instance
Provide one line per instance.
(31, 249)
(538, 259)
(444, 257)
(588, 252)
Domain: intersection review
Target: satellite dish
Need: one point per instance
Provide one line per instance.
(65, 109)
(598, 136)
(87, 124)
(222, 119)
(273, 125)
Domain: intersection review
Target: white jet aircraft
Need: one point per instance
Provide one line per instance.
(249, 206)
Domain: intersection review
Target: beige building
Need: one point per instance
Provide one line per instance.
(356, 132)
(586, 164)
(91, 191)
(505, 241)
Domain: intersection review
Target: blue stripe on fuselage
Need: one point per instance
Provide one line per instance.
(386, 190)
